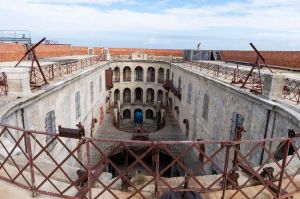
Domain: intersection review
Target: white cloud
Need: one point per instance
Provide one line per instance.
(266, 18)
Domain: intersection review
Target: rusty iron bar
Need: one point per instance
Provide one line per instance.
(286, 150)
(30, 159)
(3, 84)
(225, 174)
(257, 65)
(89, 171)
(30, 50)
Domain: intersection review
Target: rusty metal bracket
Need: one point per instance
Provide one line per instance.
(72, 133)
(259, 84)
(33, 73)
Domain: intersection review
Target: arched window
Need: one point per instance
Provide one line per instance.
(161, 76)
(92, 91)
(189, 94)
(127, 95)
(205, 107)
(150, 96)
(139, 73)
(117, 74)
(149, 114)
(127, 74)
(151, 74)
(126, 114)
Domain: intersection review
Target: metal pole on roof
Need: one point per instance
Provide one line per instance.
(198, 46)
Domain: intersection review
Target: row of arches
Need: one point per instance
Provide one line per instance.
(139, 75)
(138, 96)
(127, 113)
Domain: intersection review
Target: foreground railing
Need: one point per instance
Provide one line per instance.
(115, 168)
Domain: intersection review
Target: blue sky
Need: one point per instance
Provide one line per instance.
(217, 24)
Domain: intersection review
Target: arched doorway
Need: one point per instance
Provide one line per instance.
(116, 76)
(149, 114)
(127, 95)
(151, 74)
(150, 96)
(126, 114)
(116, 96)
(168, 75)
(127, 74)
(138, 116)
(161, 75)
(138, 95)
(139, 73)
(160, 96)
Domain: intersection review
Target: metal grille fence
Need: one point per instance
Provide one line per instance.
(3, 84)
(112, 168)
(291, 90)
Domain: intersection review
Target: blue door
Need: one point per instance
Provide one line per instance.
(138, 117)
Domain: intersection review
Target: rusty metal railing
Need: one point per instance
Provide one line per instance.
(234, 75)
(3, 84)
(291, 90)
(115, 168)
(53, 71)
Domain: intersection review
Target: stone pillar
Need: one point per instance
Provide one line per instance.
(17, 81)
(144, 96)
(145, 75)
(132, 75)
(156, 76)
(121, 96)
(155, 96)
(132, 95)
(121, 75)
(132, 114)
(273, 85)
